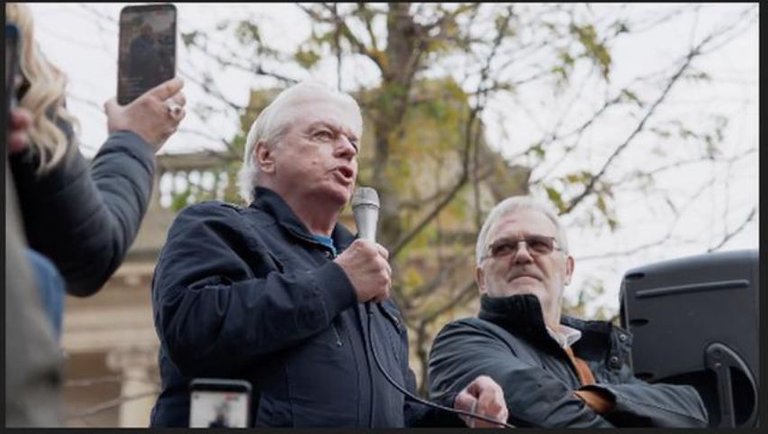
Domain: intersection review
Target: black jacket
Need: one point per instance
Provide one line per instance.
(84, 218)
(509, 343)
(247, 293)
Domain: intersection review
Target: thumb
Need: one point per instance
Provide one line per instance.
(110, 106)
(465, 401)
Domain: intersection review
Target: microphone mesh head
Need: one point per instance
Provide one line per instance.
(365, 196)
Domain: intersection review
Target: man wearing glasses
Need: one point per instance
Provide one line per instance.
(556, 371)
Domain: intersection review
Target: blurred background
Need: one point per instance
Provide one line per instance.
(638, 122)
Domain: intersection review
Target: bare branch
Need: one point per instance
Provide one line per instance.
(681, 163)
(467, 289)
(651, 110)
(205, 135)
(251, 68)
(442, 276)
(341, 26)
(662, 240)
(368, 16)
(736, 231)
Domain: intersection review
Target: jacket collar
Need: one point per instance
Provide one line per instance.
(522, 315)
(274, 205)
(519, 313)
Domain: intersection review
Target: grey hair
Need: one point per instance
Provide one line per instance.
(510, 205)
(273, 122)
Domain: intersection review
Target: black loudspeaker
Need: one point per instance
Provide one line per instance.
(695, 320)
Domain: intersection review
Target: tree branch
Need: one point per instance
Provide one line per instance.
(467, 289)
(469, 139)
(442, 275)
(665, 238)
(342, 27)
(595, 178)
(729, 235)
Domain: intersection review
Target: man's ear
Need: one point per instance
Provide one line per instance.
(480, 279)
(264, 158)
(569, 265)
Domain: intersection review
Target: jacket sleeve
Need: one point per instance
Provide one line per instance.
(85, 219)
(655, 405)
(221, 302)
(462, 351)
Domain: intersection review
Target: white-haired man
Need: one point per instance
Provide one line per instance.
(556, 371)
(273, 293)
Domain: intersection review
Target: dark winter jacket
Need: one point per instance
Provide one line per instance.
(84, 218)
(249, 294)
(509, 343)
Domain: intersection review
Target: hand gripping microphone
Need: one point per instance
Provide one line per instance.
(365, 206)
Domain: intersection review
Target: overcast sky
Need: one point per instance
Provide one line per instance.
(86, 49)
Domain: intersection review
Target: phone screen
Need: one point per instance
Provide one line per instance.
(147, 52)
(219, 403)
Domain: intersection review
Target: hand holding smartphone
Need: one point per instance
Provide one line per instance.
(147, 52)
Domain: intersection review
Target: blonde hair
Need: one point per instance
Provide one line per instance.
(45, 96)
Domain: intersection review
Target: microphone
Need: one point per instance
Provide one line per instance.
(365, 206)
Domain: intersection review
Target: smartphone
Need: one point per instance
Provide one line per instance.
(11, 66)
(217, 402)
(147, 51)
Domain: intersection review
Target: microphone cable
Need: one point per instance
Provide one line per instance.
(410, 395)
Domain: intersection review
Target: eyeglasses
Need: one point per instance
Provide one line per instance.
(536, 245)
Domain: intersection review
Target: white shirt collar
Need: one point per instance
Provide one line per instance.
(566, 337)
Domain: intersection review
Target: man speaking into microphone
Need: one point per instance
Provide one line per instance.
(275, 293)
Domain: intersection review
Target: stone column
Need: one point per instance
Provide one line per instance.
(139, 390)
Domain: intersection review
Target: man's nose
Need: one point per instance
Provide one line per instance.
(522, 255)
(344, 148)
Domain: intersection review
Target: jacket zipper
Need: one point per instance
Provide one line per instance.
(334, 326)
(336, 332)
(392, 318)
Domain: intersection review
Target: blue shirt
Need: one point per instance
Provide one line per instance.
(326, 241)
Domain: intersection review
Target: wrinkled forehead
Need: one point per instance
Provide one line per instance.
(522, 222)
(337, 111)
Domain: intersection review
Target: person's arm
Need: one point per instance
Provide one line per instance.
(637, 403)
(222, 302)
(534, 397)
(483, 396)
(85, 220)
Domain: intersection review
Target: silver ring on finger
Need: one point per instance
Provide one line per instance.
(174, 109)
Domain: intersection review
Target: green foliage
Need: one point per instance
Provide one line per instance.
(190, 38)
(247, 33)
(180, 199)
(580, 177)
(628, 95)
(537, 150)
(593, 47)
(307, 58)
(556, 198)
